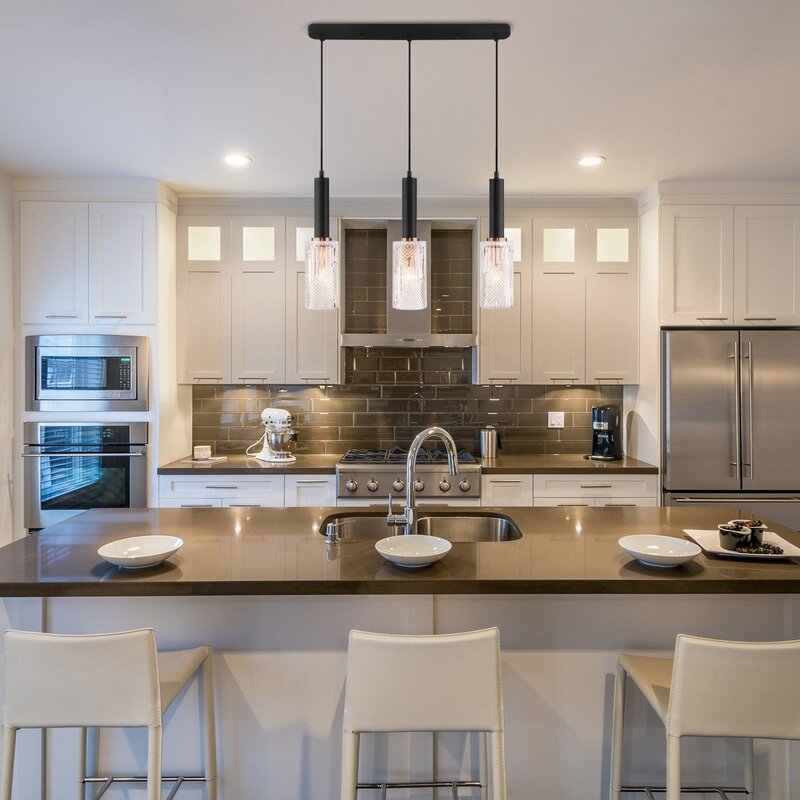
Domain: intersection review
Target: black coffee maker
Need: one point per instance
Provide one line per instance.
(606, 433)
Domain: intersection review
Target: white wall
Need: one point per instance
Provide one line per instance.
(6, 360)
(642, 402)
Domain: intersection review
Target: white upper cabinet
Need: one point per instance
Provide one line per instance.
(204, 299)
(258, 292)
(766, 265)
(697, 265)
(504, 340)
(612, 302)
(122, 263)
(88, 263)
(312, 337)
(54, 262)
(559, 301)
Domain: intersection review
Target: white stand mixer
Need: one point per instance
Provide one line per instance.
(279, 438)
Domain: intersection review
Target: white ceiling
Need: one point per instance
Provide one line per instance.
(665, 89)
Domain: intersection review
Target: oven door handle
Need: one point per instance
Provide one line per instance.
(81, 455)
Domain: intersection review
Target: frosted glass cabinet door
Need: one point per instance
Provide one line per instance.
(697, 265)
(612, 302)
(504, 339)
(204, 300)
(312, 337)
(767, 265)
(559, 301)
(122, 263)
(259, 299)
(54, 262)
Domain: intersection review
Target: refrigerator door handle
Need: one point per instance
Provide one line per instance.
(732, 501)
(737, 419)
(750, 405)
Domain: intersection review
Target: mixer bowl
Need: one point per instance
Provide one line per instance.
(284, 441)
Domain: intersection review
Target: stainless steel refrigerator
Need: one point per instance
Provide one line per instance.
(731, 420)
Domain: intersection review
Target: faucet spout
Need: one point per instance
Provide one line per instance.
(410, 513)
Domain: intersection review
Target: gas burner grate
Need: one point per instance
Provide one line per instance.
(363, 456)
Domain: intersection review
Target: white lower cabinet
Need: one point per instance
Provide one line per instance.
(310, 490)
(171, 502)
(199, 491)
(507, 490)
(590, 490)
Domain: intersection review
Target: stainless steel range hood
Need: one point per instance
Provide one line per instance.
(407, 328)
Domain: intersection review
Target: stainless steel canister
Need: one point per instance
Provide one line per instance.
(489, 442)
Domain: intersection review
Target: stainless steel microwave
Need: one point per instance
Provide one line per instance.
(86, 373)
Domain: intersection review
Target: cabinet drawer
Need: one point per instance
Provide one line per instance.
(595, 486)
(200, 502)
(507, 490)
(230, 487)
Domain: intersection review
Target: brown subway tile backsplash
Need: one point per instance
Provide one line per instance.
(334, 418)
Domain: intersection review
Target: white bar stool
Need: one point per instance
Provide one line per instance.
(389, 690)
(699, 692)
(108, 680)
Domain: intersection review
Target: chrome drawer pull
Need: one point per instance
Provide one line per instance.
(711, 319)
(761, 319)
(221, 487)
(111, 316)
(61, 316)
(597, 486)
(197, 505)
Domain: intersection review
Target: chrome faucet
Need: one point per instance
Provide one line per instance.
(408, 519)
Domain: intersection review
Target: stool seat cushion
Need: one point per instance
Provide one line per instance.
(653, 676)
(174, 670)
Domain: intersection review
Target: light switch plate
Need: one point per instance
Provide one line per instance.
(555, 419)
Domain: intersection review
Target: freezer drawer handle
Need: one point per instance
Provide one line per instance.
(735, 501)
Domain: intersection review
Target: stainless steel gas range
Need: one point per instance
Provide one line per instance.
(370, 475)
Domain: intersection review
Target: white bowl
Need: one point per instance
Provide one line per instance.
(137, 552)
(659, 551)
(412, 550)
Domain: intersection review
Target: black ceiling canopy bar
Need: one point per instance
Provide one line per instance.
(409, 31)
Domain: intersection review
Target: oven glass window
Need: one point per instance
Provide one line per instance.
(78, 481)
(86, 373)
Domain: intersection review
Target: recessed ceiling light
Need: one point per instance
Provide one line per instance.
(591, 161)
(238, 160)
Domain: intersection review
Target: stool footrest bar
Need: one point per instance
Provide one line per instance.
(143, 779)
(722, 791)
(420, 785)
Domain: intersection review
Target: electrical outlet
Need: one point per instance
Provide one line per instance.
(555, 419)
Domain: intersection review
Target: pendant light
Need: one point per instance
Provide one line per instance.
(322, 252)
(409, 255)
(496, 253)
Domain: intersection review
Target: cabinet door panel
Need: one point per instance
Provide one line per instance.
(259, 299)
(122, 263)
(310, 490)
(312, 337)
(767, 265)
(697, 265)
(507, 490)
(204, 299)
(54, 262)
(505, 335)
(612, 302)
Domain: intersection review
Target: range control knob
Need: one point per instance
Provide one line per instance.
(351, 485)
(372, 485)
(418, 485)
(444, 486)
(399, 485)
(465, 485)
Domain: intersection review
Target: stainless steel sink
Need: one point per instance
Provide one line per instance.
(461, 528)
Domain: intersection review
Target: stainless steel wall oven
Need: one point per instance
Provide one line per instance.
(74, 466)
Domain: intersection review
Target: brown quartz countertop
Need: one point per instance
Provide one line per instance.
(532, 464)
(261, 551)
(249, 465)
(326, 464)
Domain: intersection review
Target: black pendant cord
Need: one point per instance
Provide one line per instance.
(496, 192)
(409, 215)
(321, 190)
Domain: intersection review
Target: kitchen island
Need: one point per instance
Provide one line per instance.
(276, 602)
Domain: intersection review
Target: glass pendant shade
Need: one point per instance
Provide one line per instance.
(409, 279)
(322, 274)
(497, 274)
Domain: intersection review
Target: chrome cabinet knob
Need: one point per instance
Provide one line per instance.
(372, 485)
(399, 485)
(351, 485)
(444, 486)
(465, 485)
(418, 485)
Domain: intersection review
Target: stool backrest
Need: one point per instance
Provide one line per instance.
(109, 679)
(724, 688)
(447, 682)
